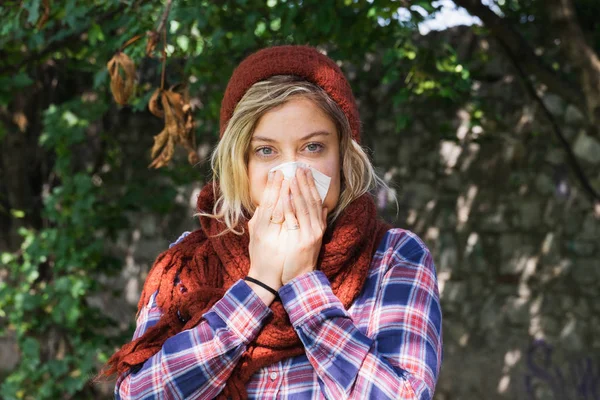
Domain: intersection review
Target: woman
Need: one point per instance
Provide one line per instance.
(287, 291)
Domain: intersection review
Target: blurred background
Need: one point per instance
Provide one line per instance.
(483, 116)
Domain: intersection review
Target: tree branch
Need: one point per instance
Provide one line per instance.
(526, 62)
(580, 54)
(164, 17)
(35, 57)
(572, 160)
(515, 43)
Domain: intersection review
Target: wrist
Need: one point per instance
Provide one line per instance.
(271, 281)
(266, 296)
(285, 280)
(266, 293)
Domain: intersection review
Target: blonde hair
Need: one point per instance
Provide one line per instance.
(229, 160)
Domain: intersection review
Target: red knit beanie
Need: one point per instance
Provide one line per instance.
(304, 61)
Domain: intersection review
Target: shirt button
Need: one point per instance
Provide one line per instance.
(273, 376)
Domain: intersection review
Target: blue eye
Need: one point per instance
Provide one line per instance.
(312, 148)
(319, 147)
(258, 151)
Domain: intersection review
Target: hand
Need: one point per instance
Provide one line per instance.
(306, 210)
(267, 247)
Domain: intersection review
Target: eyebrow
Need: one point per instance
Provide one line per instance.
(310, 135)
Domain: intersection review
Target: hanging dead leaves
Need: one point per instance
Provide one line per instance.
(174, 106)
(122, 77)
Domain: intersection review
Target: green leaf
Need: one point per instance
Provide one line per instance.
(33, 8)
(21, 80)
(260, 28)
(100, 78)
(5, 258)
(70, 118)
(275, 24)
(95, 34)
(17, 213)
(183, 42)
(30, 351)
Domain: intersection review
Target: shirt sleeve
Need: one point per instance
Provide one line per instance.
(400, 356)
(196, 363)
(180, 238)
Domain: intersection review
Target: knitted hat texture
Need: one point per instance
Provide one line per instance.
(304, 61)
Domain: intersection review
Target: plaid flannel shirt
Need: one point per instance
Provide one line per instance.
(387, 345)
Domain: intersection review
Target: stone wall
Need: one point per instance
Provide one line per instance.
(516, 242)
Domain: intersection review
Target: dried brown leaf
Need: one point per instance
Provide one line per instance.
(155, 106)
(174, 103)
(20, 119)
(184, 113)
(122, 77)
(193, 157)
(163, 142)
(153, 38)
(159, 142)
(173, 113)
(179, 125)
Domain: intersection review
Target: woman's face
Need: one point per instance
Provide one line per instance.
(295, 131)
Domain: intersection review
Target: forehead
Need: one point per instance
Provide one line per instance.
(296, 118)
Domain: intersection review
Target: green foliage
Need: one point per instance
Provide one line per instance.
(44, 298)
(55, 270)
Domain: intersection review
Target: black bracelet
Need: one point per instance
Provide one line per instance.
(259, 283)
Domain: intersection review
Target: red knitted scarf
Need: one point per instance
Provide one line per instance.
(194, 274)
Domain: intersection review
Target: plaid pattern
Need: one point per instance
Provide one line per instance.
(388, 345)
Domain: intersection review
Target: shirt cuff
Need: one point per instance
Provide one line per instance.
(242, 310)
(308, 295)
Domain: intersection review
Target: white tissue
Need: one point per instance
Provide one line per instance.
(322, 181)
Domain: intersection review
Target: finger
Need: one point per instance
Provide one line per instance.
(314, 192)
(271, 198)
(314, 204)
(256, 219)
(277, 214)
(317, 198)
(286, 193)
(290, 217)
(302, 211)
(264, 198)
(265, 195)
